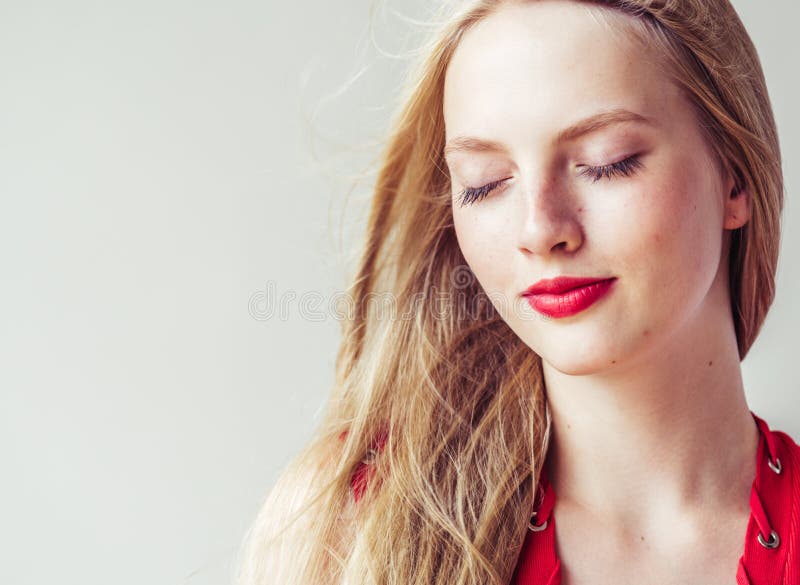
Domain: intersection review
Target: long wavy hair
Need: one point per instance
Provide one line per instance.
(458, 396)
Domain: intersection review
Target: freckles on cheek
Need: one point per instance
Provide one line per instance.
(664, 213)
(672, 227)
(482, 247)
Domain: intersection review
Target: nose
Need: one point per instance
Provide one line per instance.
(549, 220)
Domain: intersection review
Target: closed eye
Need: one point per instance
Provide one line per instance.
(471, 194)
(623, 168)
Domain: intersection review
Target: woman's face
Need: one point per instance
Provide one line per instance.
(654, 222)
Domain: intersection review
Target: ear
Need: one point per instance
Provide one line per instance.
(737, 203)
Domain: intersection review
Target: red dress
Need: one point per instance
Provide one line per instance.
(771, 555)
(772, 542)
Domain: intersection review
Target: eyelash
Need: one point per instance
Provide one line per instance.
(623, 168)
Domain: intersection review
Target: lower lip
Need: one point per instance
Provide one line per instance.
(571, 302)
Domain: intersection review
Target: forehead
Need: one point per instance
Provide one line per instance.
(533, 68)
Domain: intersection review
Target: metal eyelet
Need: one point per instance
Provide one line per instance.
(536, 527)
(777, 467)
(774, 540)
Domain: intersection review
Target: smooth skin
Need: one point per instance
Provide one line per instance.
(654, 448)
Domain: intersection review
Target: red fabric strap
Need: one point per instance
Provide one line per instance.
(774, 504)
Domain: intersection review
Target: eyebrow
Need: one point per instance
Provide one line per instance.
(588, 125)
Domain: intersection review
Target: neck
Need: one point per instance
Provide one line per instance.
(667, 432)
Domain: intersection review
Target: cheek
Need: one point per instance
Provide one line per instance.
(482, 241)
(674, 226)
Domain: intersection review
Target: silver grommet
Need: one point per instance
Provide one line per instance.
(536, 527)
(774, 540)
(777, 467)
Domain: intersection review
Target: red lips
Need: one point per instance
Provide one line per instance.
(559, 285)
(565, 296)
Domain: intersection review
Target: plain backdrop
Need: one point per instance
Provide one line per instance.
(165, 167)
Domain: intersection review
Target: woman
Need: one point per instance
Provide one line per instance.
(577, 219)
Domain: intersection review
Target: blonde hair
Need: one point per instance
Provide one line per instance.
(458, 395)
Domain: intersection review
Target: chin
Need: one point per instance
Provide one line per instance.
(590, 354)
(578, 365)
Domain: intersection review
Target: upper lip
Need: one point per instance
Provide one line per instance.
(561, 284)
